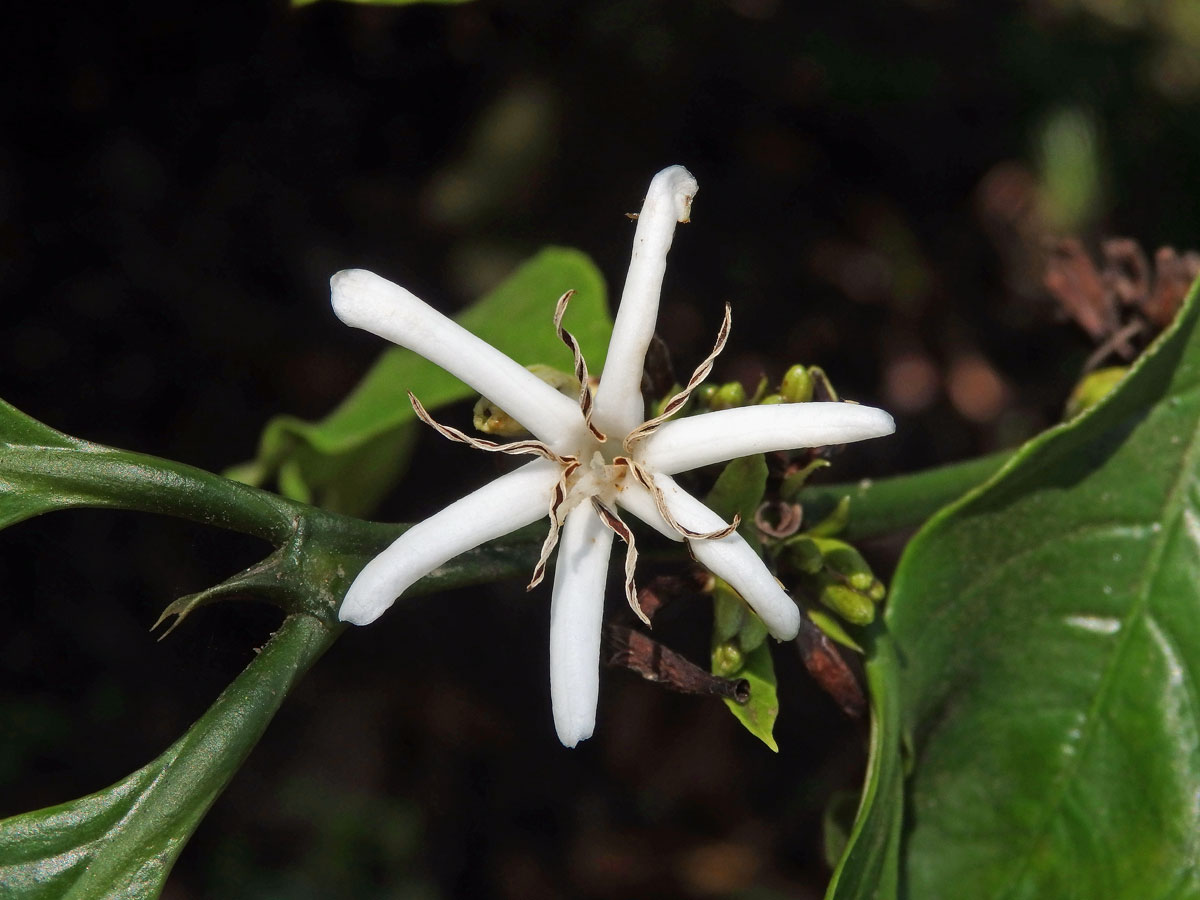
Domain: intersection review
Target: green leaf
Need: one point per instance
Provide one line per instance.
(885, 506)
(42, 469)
(349, 460)
(739, 490)
(836, 824)
(1049, 628)
(869, 867)
(833, 629)
(122, 842)
(758, 713)
(319, 552)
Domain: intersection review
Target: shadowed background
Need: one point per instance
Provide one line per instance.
(177, 183)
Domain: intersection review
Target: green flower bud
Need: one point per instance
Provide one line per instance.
(841, 557)
(727, 659)
(797, 386)
(848, 603)
(728, 396)
(705, 393)
(770, 400)
(849, 564)
(861, 581)
(802, 553)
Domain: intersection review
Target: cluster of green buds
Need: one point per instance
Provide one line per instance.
(835, 574)
(828, 577)
(800, 384)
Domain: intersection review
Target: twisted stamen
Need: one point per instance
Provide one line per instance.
(676, 402)
(618, 527)
(557, 498)
(515, 448)
(581, 370)
(645, 479)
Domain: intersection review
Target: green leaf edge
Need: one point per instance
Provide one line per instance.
(159, 806)
(759, 671)
(882, 668)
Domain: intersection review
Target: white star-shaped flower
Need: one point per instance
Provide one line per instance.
(597, 456)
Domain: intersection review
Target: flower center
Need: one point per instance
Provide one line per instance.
(597, 476)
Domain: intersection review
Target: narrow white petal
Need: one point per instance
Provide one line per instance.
(638, 501)
(506, 504)
(576, 614)
(364, 300)
(619, 407)
(684, 444)
(732, 559)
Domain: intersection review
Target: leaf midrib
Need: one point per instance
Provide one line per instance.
(1150, 568)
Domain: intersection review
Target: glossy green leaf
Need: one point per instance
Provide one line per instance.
(122, 842)
(869, 867)
(885, 506)
(42, 469)
(739, 490)
(758, 713)
(349, 460)
(1048, 626)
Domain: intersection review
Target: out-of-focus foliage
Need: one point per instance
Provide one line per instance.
(1173, 25)
(1071, 171)
(381, 2)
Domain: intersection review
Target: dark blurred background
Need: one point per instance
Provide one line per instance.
(177, 183)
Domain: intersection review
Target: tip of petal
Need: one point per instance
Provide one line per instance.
(571, 733)
(361, 608)
(785, 626)
(677, 185)
(361, 298)
(885, 423)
